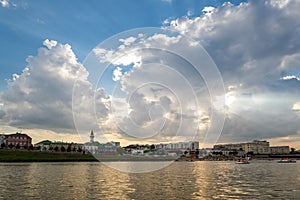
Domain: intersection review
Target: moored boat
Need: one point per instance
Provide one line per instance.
(242, 161)
(286, 160)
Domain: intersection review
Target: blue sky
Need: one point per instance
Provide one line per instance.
(83, 24)
(254, 45)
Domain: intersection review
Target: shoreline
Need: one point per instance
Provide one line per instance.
(13, 156)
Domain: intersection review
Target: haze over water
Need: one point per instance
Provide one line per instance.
(180, 180)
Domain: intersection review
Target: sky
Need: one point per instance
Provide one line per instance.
(213, 71)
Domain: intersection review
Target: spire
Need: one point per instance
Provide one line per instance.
(92, 136)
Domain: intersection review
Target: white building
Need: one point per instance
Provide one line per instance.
(192, 145)
(95, 147)
(280, 150)
(256, 147)
(2, 139)
(137, 152)
(92, 146)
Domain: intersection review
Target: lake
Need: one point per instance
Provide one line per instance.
(180, 180)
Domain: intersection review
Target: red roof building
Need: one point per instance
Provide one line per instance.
(18, 140)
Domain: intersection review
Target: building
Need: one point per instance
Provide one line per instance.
(59, 146)
(239, 149)
(160, 146)
(192, 145)
(47, 145)
(204, 152)
(76, 147)
(280, 150)
(234, 147)
(256, 147)
(94, 147)
(43, 145)
(163, 149)
(18, 141)
(137, 152)
(2, 141)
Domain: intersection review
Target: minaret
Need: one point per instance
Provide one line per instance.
(92, 136)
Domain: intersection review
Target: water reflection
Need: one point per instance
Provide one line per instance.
(180, 180)
(161, 184)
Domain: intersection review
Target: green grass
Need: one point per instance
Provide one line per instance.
(32, 156)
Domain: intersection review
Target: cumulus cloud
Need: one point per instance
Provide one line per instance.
(50, 43)
(7, 3)
(208, 10)
(41, 96)
(254, 44)
(253, 55)
(296, 106)
(4, 3)
(290, 77)
(167, 98)
(117, 74)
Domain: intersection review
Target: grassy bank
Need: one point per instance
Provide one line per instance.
(32, 156)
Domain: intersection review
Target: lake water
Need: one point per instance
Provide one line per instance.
(180, 180)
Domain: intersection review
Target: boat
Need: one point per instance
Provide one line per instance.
(242, 161)
(286, 160)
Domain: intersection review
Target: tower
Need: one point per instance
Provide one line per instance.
(92, 136)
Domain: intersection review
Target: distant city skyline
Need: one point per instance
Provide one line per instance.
(150, 91)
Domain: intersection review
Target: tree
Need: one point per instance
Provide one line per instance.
(10, 146)
(219, 153)
(3, 145)
(197, 152)
(62, 149)
(56, 148)
(18, 146)
(293, 150)
(69, 148)
(152, 147)
(79, 149)
(31, 147)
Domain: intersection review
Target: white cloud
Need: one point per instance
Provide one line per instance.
(166, 97)
(208, 10)
(255, 53)
(189, 13)
(117, 74)
(290, 77)
(7, 3)
(122, 57)
(4, 3)
(296, 106)
(252, 55)
(50, 43)
(41, 96)
(254, 44)
(278, 3)
(128, 41)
